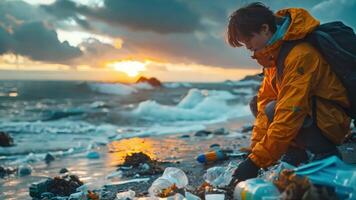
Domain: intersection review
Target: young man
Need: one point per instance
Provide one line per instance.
(286, 126)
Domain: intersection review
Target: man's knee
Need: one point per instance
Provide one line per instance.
(269, 110)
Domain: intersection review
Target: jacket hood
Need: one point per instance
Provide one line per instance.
(301, 24)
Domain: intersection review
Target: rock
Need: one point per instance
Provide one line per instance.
(63, 170)
(24, 170)
(246, 128)
(6, 140)
(49, 158)
(6, 171)
(220, 131)
(215, 146)
(185, 136)
(202, 133)
(152, 81)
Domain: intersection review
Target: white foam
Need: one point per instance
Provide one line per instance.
(143, 86)
(58, 135)
(243, 83)
(112, 88)
(198, 105)
(177, 85)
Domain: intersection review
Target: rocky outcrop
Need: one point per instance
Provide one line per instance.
(152, 81)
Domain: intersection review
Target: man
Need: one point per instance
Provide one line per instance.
(299, 110)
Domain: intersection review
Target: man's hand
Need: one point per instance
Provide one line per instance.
(246, 170)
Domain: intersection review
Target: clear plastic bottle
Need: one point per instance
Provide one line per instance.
(256, 189)
(171, 177)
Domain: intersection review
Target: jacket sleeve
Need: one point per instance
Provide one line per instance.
(265, 95)
(293, 104)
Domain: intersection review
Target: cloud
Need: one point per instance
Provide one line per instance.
(160, 16)
(23, 32)
(6, 41)
(39, 42)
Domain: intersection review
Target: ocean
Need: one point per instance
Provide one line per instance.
(66, 118)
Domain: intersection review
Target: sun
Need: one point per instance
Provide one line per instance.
(131, 68)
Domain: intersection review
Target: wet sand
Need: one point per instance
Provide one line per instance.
(178, 151)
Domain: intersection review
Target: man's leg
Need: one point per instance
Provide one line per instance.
(309, 138)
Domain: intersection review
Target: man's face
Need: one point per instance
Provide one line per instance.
(255, 42)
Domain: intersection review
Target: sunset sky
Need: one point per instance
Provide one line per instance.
(120, 40)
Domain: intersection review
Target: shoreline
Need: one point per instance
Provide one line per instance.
(178, 151)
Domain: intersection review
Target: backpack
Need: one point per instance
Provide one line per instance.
(337, 44)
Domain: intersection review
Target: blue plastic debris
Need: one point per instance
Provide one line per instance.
(93, 155)
(330, 172)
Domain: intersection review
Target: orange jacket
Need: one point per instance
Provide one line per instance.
(306, 74)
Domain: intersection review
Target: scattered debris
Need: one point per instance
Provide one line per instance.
(4, 172)
(93, 155)
(141, 164)
(170, 183)
(59, 186)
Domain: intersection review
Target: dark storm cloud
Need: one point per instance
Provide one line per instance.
(188, 31)
(160, 16)
(22, 33)
(38, 42)
(65, 9)
(6, 41)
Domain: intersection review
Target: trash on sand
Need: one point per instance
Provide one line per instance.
(141, 164)
(125, 195)
(321, 172)
(168, 184)
(59, 186)
(215, 197)
(117, 174)
(78, 196)
(220, 176)
(113, 184)
(190, 196)
(219, 154)
(93, 155)
(293, 186)
(6, 171)
(211, 156)
(256, 188)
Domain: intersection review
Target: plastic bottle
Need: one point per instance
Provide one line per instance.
(172, 177)
(256, 189)
(220, 176)
(211, 156)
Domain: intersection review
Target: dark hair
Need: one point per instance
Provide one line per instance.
(248, 20)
